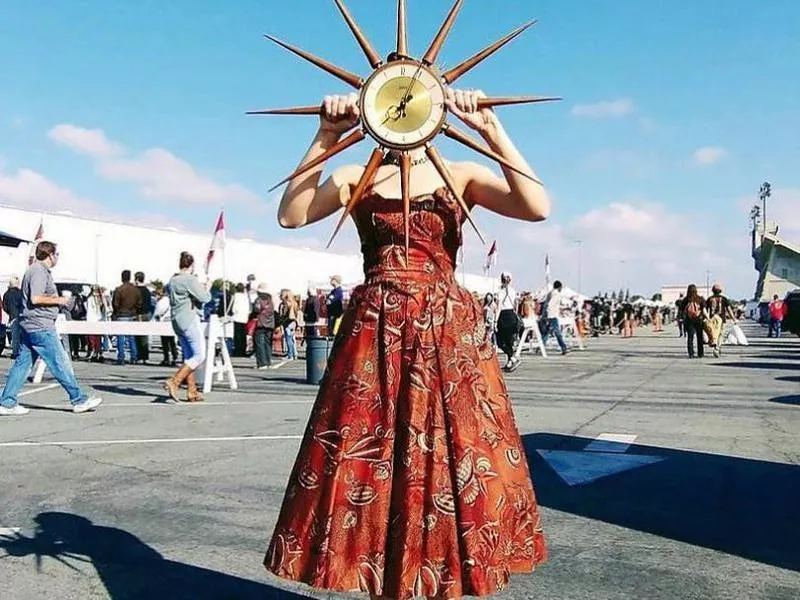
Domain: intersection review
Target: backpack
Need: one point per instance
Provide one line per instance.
(693, 310)
(78, 312)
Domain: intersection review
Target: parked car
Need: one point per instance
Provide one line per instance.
(791, 319)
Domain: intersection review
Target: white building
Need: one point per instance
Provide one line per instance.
(94, 251)
(778, 264)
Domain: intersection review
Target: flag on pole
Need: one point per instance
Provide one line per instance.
(36, 239)
(217, 242)
(547, 269)
(491, 258)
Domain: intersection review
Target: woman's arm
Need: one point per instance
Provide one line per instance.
(514, 196)
(305, 201)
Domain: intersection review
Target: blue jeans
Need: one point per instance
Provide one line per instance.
(288, 337)
(129, 339)
(553, 326)
(775, 325)
(193, 345)
(47, 346)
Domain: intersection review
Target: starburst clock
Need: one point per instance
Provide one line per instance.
(402, 105)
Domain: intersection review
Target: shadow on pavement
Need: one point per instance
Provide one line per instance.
(742, 507)
(126, 390)
(129, 568)
(789, 379)
(794, 400)
(769, 366)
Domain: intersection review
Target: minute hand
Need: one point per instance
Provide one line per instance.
(407, 94)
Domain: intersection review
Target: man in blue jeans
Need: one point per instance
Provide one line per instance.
(38, 337)
(552, 313)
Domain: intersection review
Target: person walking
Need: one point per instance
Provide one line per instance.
(186, 297)
(509, 325)
(776, 312)
(552, 314)
(719, 311)
(693, 313)
(127, 305)
(335, 304)
(38, 337)
(490, 314)
(264, 311)
(12, 304)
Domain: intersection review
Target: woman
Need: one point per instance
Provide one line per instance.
(264, 313)
(288, 310)
(96, 311)
(693, 313)
(310, 314)
(411, 479)
(241, 314)
(163, 313)
(508, 322)
(186, 296)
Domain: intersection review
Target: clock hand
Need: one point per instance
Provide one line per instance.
(406, 95)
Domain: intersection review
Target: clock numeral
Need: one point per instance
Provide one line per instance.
(402, 71)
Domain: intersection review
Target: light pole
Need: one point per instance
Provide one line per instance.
(708, 283)
(579, 243)
(764, 193)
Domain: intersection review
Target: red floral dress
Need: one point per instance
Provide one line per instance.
(411, 479)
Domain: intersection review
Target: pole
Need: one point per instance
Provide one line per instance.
(708, 282)
(96, 259)
(580, 266)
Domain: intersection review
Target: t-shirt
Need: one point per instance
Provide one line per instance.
(335, 302)
(12, 302)
(38, 281)
(776, 310)
(186, 295)
(718, 305)
(507, 298)
(554, 304)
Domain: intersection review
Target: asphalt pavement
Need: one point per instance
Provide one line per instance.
(659, 478)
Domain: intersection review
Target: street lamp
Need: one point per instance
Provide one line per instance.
(763, 193)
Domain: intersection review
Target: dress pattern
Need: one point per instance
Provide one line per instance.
(411, 480)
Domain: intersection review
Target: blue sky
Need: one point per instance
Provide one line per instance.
(674, 114)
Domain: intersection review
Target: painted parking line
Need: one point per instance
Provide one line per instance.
(611, 442)
(10, 530)
(194, 405)
(49, 386)
(242, 438)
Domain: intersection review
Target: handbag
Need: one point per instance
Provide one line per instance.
(250, 327)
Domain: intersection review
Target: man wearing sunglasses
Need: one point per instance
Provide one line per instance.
(39, 339)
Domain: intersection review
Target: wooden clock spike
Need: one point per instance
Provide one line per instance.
(296, 110)
(509, 100)
(362, 40)
(436, 45)
(350, 78)
(464, 139)
(402, 28)
(438, 162)
(367, 177)
(482, 103)
(342, 145)
(456, 72)
(405, 188)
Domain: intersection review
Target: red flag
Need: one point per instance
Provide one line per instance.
(36, 239)
(218, 241)
(491, 258)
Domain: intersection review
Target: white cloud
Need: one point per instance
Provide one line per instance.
(84, 141)
(161, 175)
(708, 155)
(29, 189)
(606, 109)
(636, 244)
(157, 172)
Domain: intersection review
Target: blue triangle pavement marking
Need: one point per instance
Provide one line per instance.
(578, 468)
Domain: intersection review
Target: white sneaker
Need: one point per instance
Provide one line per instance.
(15, 411)
(87, 405)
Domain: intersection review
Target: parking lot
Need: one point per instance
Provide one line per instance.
(659, 478)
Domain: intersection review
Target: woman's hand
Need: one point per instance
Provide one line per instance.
(339, 114)
(464, 105)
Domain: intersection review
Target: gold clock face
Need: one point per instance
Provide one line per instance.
(402, 105)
